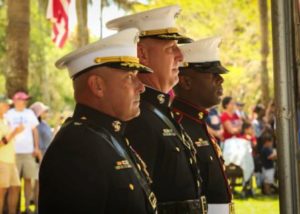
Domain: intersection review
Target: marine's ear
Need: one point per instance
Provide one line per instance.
(143, 53)
(185, 82)
(96, 84)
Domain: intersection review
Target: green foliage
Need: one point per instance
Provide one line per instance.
(3, 23)
(237, 22)
(47, 83)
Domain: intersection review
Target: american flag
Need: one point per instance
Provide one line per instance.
(57, 12)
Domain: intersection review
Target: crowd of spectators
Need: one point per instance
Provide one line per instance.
(25, 138)
(257, 127)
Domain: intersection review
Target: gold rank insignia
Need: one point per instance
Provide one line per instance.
(116, 125)
(161, 98)
(172, 36)
(200, 142)
(168, 132)
(123, 164)
(132, 65)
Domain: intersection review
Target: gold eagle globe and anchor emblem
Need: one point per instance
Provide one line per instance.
(200, 115)
(116, 125)
(161, 98)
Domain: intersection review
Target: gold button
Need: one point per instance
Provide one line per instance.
(177, 149)
(83, 118)
(131, 186)
(211, 158)
(177, 113)
(139, 166)
(200, 115)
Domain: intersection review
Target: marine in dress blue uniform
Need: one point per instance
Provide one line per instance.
(156, 136)
(90, 167)
(199, 88)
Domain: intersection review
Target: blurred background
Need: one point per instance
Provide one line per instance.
(33, 37)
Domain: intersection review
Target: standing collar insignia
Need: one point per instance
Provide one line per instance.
(161, 98)
(116, 125)
(201, 114)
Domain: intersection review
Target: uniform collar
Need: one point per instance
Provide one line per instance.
(99, 119)
(182, 106)
(156, 97)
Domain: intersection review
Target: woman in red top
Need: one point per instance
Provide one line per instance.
(231, 122)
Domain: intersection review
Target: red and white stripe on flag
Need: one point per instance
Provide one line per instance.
(57, 12)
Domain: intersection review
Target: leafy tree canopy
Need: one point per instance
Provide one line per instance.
(236, 21)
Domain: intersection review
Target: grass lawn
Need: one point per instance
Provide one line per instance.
(257, 205)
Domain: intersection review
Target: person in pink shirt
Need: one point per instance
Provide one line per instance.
(231, 122)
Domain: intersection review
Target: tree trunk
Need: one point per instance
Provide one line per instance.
(263, 9)
(82, 29)
(17, 39)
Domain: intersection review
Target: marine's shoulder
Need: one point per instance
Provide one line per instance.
(76, 137)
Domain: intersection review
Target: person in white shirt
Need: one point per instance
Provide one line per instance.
(9, 179)
(26, 143)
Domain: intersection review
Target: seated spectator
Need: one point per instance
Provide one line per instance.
(231, 123)
(248, 133)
